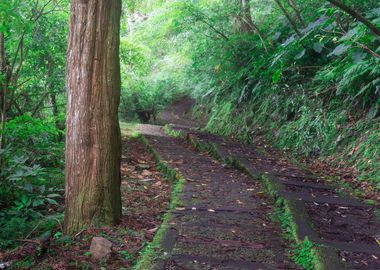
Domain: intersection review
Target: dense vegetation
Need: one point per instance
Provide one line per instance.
(305, 74)
(32, 56)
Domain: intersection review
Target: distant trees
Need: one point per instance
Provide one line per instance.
(93, 143)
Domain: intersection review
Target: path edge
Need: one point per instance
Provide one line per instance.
(150, 254)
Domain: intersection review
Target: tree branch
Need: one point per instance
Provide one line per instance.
(356, 15)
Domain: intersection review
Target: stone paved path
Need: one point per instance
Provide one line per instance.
(346, 228)
(224, 220)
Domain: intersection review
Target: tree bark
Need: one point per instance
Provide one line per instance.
(93, 143)
(356, 15)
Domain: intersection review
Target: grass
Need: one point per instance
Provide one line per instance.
(173, 133)
(303, 250)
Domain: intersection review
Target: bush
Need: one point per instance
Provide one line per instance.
(31, 175)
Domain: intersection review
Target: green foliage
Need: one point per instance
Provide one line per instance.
(31, 155)
(37, 138)
(35, 43)
(304, 255)
(316, 94)
(152, 67)
(31, 178)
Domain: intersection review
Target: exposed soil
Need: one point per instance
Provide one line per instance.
(180, 113)
(145, 195)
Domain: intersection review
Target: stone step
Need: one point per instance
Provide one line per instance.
(305, 184)
(353, 247)
(218, 242)
(307, 197)
(214, 262)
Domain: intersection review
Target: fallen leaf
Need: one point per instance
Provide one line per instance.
(153, 230)
(261, 194)
(157, 184)
(146, 173)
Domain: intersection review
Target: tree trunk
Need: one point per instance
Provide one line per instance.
(244, 22)
(93, 143)
(3, 93)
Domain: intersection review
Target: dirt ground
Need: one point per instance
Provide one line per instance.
(145, 196)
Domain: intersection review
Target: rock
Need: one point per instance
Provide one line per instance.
(100, 247)
(5, 265)
(141, 167)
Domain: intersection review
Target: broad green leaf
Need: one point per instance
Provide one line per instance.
(318, 47)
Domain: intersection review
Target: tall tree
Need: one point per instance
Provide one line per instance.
(244, 23)
(93, 133)
(3, 92)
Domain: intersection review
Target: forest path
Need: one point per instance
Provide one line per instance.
(225, 220)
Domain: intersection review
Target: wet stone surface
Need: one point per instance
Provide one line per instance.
(348, 224)
(344, 221)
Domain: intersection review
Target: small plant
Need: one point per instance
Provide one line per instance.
(88, 253)
(303, 255)
(126, 255)
(168, 130)
(32, 179)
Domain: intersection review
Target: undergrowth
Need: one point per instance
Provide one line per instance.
(31, 174)
(168, 130)
(302, 251)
